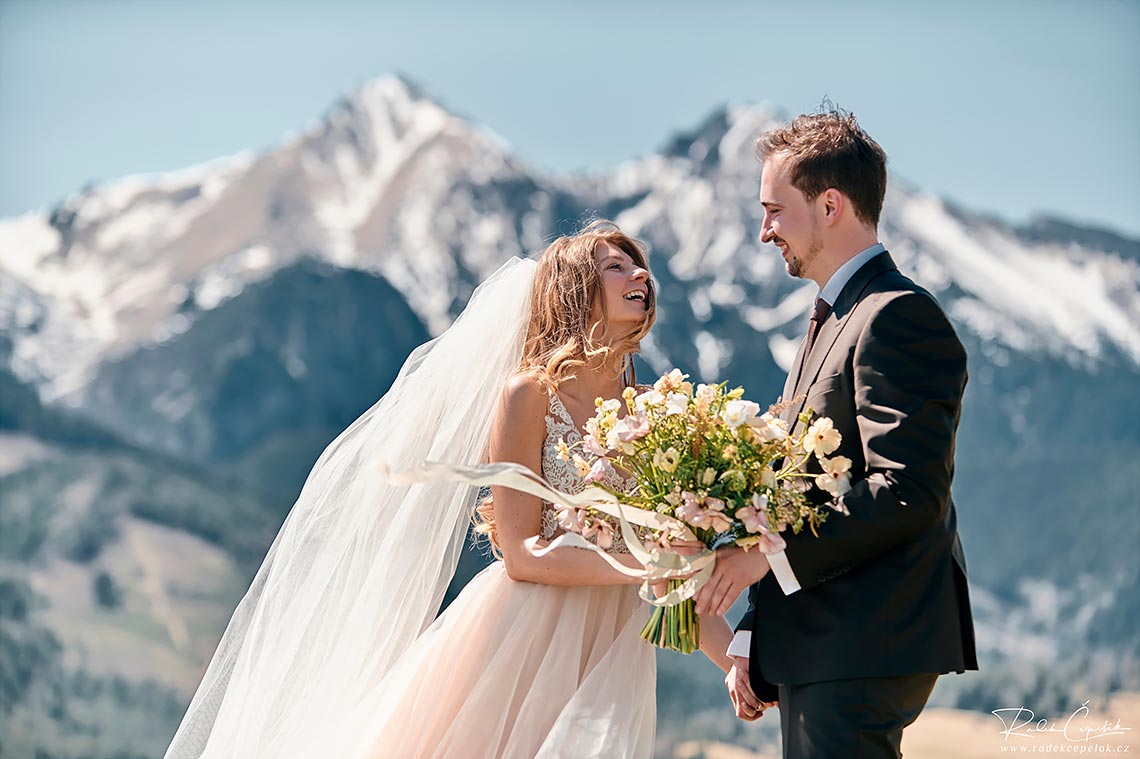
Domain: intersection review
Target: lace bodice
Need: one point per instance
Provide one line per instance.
(562, 474)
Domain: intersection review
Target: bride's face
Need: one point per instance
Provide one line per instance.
(625, 286)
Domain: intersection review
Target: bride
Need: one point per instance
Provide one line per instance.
(333, 651)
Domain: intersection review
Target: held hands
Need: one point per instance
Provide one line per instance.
(735, 570)
(744, 702)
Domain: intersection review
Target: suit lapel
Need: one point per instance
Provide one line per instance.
(794, 373)
(808, 367)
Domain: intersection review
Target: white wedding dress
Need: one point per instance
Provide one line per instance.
(516, 670)
(335, 651)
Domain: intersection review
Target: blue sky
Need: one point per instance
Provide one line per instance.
(1010, 107)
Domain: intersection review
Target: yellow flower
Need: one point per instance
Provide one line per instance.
(628, 394)
(563, 450)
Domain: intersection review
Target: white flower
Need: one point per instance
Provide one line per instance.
(607, 407)
(676, 403)
(837, 485)
(648, 399)
(667, 461)
(822, 438)
(767, 478)
(706, 394)
(836, 465)
(768, 428)
(669, 382)
(708, 477)
(563, 450)
(581, 465)
(738, 413)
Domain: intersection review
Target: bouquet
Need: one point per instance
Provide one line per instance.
(708, 459)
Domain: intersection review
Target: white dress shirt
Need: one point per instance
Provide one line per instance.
(781, 568)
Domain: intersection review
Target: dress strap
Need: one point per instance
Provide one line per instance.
(559, 408)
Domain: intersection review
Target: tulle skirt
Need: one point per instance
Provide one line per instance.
(515, 670)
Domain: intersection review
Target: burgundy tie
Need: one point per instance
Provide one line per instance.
(822, 309)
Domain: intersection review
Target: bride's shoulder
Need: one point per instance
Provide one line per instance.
(524, 395)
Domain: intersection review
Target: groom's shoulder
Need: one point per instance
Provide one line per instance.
(897, 304)
(891, 286)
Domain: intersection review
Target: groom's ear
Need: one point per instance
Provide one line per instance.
(833, 204)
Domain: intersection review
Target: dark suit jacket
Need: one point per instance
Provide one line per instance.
(883, 591)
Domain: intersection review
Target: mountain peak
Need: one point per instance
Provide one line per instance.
(728, 132)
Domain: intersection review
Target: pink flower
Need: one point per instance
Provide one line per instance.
(751, 518)
(700, 519)
(720, 522)
(689, 506)
(633, 428)
(714, 503)
(602, 532)
(591, 444)
(572, 520)
(598, 471)
(771, 543)
(755, 520)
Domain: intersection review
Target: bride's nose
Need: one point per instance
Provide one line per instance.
(639, 274)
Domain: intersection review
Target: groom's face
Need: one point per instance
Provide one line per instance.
(789, 219)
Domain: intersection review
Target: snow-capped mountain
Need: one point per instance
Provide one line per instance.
(175, 350)
(389, 182)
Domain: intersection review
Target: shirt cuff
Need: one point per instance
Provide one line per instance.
(741, 644)
(783, 570)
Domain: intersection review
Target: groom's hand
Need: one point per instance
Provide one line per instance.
(744, 702)
(735, 570)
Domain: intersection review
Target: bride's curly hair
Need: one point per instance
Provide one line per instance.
(561, 337)
(567, 287)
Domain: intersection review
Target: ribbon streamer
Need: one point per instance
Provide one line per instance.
(659, 565)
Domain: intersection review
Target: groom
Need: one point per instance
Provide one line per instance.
(849, 631)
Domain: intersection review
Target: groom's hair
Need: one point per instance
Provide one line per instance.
(830, 150)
